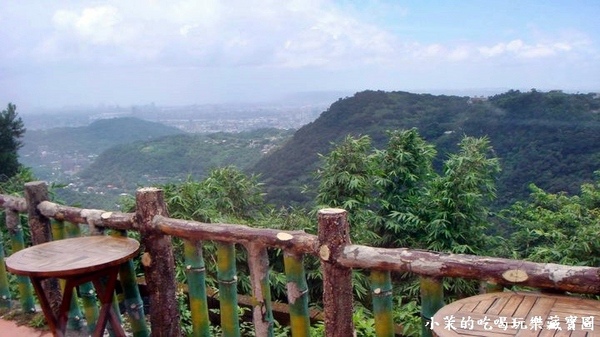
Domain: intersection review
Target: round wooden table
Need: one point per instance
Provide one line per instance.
(76, 260)
(507, 314)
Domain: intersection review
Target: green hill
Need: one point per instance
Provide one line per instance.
(97, 136)
(551, 139)
(55, 153)
(173, 158)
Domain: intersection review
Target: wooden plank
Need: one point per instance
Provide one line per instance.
(522, 307)
(469, 306)
(483, 306)
(513, 303)
(498, 305)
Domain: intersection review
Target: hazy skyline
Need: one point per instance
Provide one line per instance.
(65, 52)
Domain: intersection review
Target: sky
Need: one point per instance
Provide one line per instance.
(89, 52)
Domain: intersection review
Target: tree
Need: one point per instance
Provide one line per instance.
(404, 172)
(459, 200)
(11, 130)
(556, 227)
(346, 181)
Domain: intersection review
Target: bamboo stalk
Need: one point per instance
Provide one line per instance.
(227, 278)
(74, 322)
(58, 229)
(5, 298)
(195, 271)
(297, 292)
(381, 288)
(88, 294)
(15, 232)
(258, 262)
(134, 305)
(432, 299)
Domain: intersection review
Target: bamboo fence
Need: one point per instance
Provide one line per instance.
(332, 246)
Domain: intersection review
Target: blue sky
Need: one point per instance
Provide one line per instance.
(68, 52)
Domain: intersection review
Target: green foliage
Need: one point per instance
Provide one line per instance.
(11, 132)
(346, 182)
(458, 200)
(557, 227)
(396, 192)
(403, 175)
(15, 184)
(395, 199)
(225, 193)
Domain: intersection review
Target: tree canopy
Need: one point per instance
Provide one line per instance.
(11, 131)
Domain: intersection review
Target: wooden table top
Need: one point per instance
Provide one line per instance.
(70, 257)
(518, 314)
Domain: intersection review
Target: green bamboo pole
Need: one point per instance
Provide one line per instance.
(297, 290)
(58, 229)
(15, 232)
(132, 299)
(227, 278)
(88, 294)
(5, 298)
(75, 321)
(381, 288)
(432, 299)
(196, 279)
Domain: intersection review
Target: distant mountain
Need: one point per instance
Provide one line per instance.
(98, 136)
(551, 139)
(68, 149)
(174, 158)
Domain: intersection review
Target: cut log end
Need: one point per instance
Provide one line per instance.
(331, 211)
(515, 275)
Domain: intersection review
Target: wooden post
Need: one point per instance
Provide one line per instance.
(39, 225)
(337, 280)
(159, 264)
(195, 271)
(432, 299)
(262, 313)
(227, 278)
(15, 232)
(381, 291)
(297, 293)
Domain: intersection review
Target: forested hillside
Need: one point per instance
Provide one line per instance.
(551, 139)
(97, 136)
(52, 152)
(173, 158)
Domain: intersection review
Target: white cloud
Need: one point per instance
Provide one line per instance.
(459, 53)
(96, 25)
(520, 49)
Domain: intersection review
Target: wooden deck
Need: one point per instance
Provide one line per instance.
(518, 314)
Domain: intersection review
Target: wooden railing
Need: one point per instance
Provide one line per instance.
(332, 246)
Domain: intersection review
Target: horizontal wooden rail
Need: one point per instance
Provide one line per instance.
(294, 241)
(494, 270)
(96, 217)
(13, 203)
